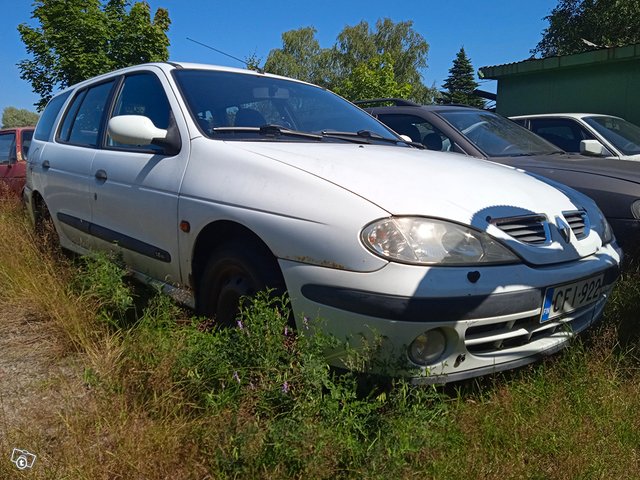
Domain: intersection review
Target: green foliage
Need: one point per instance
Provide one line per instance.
(78, 39)
(18, 117)
(353, 58)
(373, 79)
(461, 82)
(603, 23)
(101, 278)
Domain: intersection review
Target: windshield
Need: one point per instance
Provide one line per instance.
(497, 136)
(233, 106)
(623, 135)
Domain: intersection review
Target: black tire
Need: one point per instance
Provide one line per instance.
(236, 270)
(45, 229)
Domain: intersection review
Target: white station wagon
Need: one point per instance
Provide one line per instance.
(218, 182)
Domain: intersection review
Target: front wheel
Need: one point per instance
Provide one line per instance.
(236, 270)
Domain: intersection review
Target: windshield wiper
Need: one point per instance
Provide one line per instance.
(362, 136)
(269, 130)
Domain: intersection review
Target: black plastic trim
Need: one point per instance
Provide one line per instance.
(112, 236)
(431, 309)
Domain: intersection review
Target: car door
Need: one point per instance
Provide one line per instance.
(134, 188)
(8, 159)
(64, 165)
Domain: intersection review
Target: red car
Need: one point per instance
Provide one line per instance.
(14, 146)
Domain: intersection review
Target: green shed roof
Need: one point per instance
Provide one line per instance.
(614, 54)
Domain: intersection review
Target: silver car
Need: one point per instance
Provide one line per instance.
(216, 182)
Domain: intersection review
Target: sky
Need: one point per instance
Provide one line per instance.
(492, 32)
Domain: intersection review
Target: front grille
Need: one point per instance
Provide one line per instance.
(490, 339)
(531, 229)
(579, 223)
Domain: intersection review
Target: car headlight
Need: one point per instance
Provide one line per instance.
(428, 241)
(602, 227)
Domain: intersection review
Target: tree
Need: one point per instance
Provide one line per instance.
(373, 79)
(18, 117)
(353, 57)
(301, 57)
(461, 82)
(579, 25)
(78, 39)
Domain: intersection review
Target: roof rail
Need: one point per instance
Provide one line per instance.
(398, 102)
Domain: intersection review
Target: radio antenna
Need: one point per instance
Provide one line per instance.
(224, 53)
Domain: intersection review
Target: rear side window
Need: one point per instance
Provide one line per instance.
(83, 120)
(48, 117)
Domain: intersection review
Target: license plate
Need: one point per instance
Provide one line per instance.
(563, 299)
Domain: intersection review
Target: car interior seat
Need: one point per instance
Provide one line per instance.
(432, 141)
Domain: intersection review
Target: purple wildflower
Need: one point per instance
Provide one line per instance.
(240, 326)
(236, 377)
(285, 387)
(286, 330)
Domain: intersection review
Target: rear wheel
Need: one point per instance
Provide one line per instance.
(236, 270)
(44, 228)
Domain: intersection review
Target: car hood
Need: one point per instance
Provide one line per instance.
(405, 181)
(627, 170)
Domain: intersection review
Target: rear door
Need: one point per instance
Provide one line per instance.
(64, 165)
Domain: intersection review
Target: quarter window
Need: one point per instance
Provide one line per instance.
(45, 123)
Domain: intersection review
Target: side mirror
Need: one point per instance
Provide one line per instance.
(593, 148)
(140, 130)
(134, 130)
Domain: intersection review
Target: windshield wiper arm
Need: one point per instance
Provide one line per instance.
(361, 136)
(268, 130)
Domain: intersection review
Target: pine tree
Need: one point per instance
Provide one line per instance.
(461, 83)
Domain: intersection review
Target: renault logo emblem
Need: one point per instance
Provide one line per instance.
(564, 229)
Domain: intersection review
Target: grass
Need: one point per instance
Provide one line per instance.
(158, 394)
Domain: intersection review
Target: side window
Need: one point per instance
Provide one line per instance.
(564, 133)
(27, 135)
(82, 122)
(419, 130)
(143, 94)
(7, 147)
(48, 117)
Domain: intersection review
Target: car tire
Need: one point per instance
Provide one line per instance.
(235, 271)
(45, 229)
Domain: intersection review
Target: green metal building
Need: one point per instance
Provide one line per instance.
(600, 81)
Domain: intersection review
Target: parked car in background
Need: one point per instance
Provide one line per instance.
(615, 186)
(14, 146)
(587, 133)
(216, 183)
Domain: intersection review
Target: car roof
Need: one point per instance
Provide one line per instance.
(429, 108)
(168, 67)
(562, 115)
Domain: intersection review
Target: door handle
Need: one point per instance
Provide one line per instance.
(101, 175)
(46, 165)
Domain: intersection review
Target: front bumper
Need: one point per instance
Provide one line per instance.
(490, 315)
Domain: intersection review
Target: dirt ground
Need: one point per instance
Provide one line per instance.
(35, 378)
